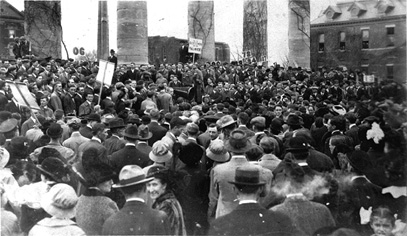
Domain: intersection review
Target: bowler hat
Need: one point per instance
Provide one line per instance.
(217, 152)
(55, 130)
(297, 144)
(116, 123)
(360, 161)
(144, 133)
(60, 201)
(294, 120)
(131, 132)
(160, 153)
(238, 142)
(247, 175)
(131, 175)
(55, 168)
(94, 117)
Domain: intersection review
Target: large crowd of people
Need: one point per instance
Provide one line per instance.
(200, 149)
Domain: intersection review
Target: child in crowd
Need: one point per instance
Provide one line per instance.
(382, 221)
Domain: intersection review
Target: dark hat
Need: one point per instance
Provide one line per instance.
(297, 144)
(191, 154)
(156, 170)
(55, 130)
(55, 168)
(176, 121)
(116, 123)
(99, 175)
(294, 120)
(211, 118)
(98, 127)
(360, 161)
(134, 120)
(4, 115)
(277, 124)
(94, 117)
(131, 175)
(238, 142)
(247, 175)
(131, 132)
(144, 133)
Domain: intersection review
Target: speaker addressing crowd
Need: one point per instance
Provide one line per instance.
(200, 148)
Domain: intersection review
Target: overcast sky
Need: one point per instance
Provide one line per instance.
(169, 18)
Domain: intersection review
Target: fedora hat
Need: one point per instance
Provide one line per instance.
(131, 132)
(60, 201)
(55, 168)
(159, 152)
(238, 142)
(297, 144)
(144, 133)
(226, 121)
(217, 152)
(294, 120)
(116, 123)
(338, 109)
(247, 175)
(131, 175)
(55, 130)
(8, 125)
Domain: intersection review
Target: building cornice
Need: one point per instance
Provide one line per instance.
(358, 21)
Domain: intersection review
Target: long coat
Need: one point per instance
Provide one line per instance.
(129, 155)
(158, 132)
(136, 218)
(114, 144)
(252, 219)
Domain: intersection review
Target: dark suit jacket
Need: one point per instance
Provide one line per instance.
(158, 132)
(252, 219)
(3, 102)
(136, 218)
(129, 155)
(12, 107)
(69, 104)
(113, 144)
(130, 76)
(144, 148)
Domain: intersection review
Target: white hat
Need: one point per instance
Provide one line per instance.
(4, 157)
(60, 201)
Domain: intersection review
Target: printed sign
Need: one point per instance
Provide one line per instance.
(368, 78)
(22, 95)
(195, 46)
(105, 74)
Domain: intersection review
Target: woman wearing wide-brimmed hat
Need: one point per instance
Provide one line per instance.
(60, 203)
(94, 208)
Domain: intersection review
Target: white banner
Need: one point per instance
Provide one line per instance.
(368, 78)
(106, 71)
(195, 46)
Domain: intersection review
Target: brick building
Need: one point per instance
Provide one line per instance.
(363, 35)
(11, 25)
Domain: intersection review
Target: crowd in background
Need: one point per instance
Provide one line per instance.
(200, 148)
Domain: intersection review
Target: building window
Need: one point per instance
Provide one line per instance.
(342, 38)
(390, 72)
(365, 69)
(321, 43)
(390, 35)
(11, 33)
(365, 38)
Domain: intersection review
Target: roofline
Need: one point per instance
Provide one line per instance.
(14, 9)
(358, 21)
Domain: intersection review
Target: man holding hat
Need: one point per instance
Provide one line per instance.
(249, 217)
(135, 218)
(115, 142)
(129, 155)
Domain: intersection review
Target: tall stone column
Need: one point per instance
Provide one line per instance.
(255, 28)
(201, 25)
(103, 31)
(132, 35)
(43, 27)
(299, 53)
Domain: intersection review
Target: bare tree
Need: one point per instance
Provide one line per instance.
(202, 22)
(255, 28)
(43, 25)
(301, 8)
